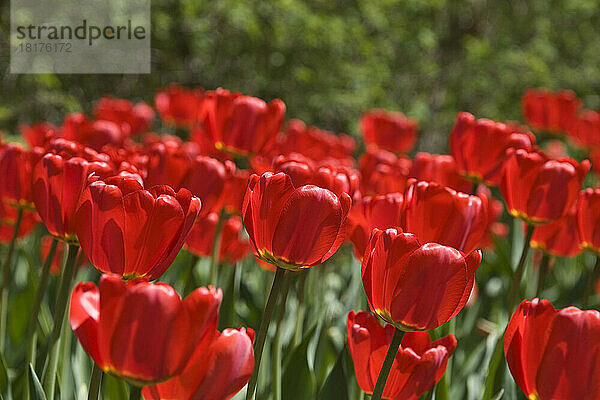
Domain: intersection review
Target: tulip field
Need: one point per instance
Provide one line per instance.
(204, 245)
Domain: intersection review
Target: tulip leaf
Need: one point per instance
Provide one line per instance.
(499, 395)
(298, 381)
(114, 388)
(3, 375)
(36, 392)
(336, 384)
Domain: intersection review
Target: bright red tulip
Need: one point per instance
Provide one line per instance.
(440, 168)
(559, 237)
(241, 124)
(587, 129)
(38, 134)
(8, 217)
(551, 111)
(417, 367)
(412, 286)
(233, 247)
(588, 219)
(391, 131)
(16, 165)
(383, 172)
(381, 211)
(538, 190)
(439, 214)
(140, 331)
(168, 161)
(479, 146)
(179, 106)
(132, 119)
(57, 187)
(293, 228)
(235, 188)
(554, 354)
(95, 134)
(133, 232)
(216, 371)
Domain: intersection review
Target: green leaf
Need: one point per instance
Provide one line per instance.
(3, 375)
(495, 361)
(36, 392)
(336, 384)
(114, 388)
(298, 381)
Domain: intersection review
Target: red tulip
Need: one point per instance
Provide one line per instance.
(179, 106)
(538, 190)
(439, 214)
(216, 371)
(293, 228)
(206, 178)
(95, 134)
(381, 211)
(559, 237)
(235, 188)
(551, 111)
(168, 161)
(587, 129)
(383, 172)
(38, 134)
(132, 119)
(16, 165)
(554, 354)
(241, 124)
(417, 367)
(233, 248)
(440, 168)
(391, 131)
(479, 146)
(8, 218)
(57, 187)
(416, 287)
(588, 219)
(140, 331)
(133, 232)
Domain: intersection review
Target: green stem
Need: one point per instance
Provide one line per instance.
(298, 329)
(135, 392)
(214, 257)
(190, 281)
(35, 309)
(59, 315)
(542, 272)
(516, 283)
(264, 327)
(387, 364)
(590, 284)
(277, 340)
(95, 381)
(6, 278)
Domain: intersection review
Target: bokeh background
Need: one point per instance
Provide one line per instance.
(331, 60)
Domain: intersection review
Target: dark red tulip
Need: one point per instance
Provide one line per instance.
(133, 232)
(391, 131)
(588, 219)
(381, 211)
(440, 168)
(417, 367)
(140, 331)
(436, 213)
(233, 247)
(293, 228)
(241, 124)
(550, 111)
(383, 172)
(16, 165)
(38, 134)
(235, 188)
(554, 354)
(559, 237)
(538, 190)
(179, 106)
(57, 187)
(206, 178)
(412, 286)
(479, 146)
(132, 118)
(216, 371)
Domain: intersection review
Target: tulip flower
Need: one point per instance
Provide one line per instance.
(383, 172)
(8, 218)
(91, 133)
(133, 232)
(587, 129)
(439, 214)
(57, 187)
(560, 237)
(241, 124)
(416, 286)
(168, 161)
(479, 146)
(179, 106)
(139, 331)
(381, 211)
(551, 111)
(201, 239)
(417, 366)
(38, 134)
(588, 216)
(293, 228)
(235, 188)
(554, 354)
(132, 118)
(538, 190)
(440, 168)
(391, 131)
(217, 370)
(16, 165)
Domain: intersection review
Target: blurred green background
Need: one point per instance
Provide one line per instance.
(330, 60)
